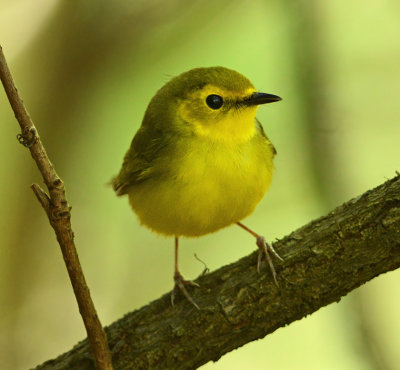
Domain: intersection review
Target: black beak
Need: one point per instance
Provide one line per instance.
(260, 98)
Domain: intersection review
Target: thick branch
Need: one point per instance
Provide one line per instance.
(58, 212)
(324, 260)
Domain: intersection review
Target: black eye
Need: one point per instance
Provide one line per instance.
(214, 101)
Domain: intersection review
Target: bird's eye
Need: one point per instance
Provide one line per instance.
(214, 101)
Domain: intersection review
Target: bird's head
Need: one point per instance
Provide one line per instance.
(216, 102)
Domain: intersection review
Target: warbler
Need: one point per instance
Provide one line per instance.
(200, 161)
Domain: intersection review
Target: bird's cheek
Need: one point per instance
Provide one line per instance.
(185, 112)
(193, 113)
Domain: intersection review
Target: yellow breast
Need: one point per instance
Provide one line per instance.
(207, 186)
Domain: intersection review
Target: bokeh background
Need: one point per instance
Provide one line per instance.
(86, 71)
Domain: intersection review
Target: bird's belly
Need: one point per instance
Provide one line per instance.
(202, 193)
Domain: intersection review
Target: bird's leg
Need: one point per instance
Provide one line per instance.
(264, 250)
(180, 282)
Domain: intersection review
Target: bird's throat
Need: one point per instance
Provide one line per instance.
(236, 126)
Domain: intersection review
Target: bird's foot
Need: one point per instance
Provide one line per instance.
(180, 283)
(265, 250)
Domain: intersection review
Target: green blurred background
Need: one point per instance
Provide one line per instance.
(86, 71)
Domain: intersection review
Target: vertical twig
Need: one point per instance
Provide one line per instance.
(58, 212)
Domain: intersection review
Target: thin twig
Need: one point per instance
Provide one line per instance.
(42, 197)
(58, 212)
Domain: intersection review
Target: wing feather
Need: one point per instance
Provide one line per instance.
(138, 164)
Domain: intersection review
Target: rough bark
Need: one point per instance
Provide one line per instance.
(323, 261)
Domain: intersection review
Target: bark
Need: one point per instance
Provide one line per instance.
(323, 261)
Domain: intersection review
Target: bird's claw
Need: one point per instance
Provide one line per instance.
(180, 283)
(265, 250)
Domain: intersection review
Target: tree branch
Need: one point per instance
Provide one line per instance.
(323, 261)
(58, 212)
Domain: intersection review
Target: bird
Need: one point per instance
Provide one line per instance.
(200, 160)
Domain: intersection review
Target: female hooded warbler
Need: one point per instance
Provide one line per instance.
(200, 160)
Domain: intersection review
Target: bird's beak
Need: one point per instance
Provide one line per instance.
(258, 98)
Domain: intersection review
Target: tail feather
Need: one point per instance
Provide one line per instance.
(117, 186)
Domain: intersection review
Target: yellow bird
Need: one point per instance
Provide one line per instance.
(200, 160)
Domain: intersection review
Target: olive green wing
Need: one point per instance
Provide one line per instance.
(139, 160)
(259, 125)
